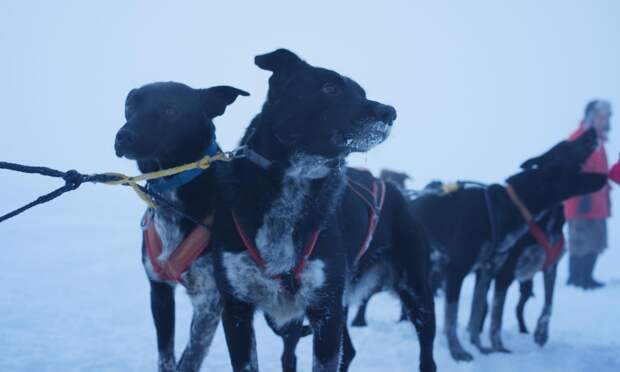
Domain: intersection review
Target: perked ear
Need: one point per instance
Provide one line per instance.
(215, 99)
(278, 60)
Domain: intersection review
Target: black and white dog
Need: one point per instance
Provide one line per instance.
(459, 226)
(525, 259)
(391, 231)
(528, 256)
(288, 236)
(170, 124)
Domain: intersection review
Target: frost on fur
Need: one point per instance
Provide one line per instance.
(274, 239)
(250, 283)
(167, 225)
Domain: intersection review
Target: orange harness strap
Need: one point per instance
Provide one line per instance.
(553, 252)
(183, 256)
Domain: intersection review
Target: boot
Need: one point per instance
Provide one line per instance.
(588, 269)
(574, 272)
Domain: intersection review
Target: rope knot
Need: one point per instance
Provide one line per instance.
(73, 179)
(204, 163)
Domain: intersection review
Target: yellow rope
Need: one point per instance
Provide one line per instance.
(203, 163)
(448, 188)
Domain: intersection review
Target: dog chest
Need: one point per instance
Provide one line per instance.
(250, 283)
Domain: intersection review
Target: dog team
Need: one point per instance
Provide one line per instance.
(288, 229)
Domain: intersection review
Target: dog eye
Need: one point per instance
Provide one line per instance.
(330, 88)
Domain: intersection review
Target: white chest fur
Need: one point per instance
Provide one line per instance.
(250, 283)
(274, 239)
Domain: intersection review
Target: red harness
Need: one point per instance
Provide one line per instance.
(553, 252)
(377, 194)
(183, 256)
(256, 257)
(375, 205)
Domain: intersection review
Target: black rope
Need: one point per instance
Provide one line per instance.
(74, 179)
(159, 199)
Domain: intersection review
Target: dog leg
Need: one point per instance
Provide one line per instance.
(420, 308)
(497, 312)
(525, 289)
(162, 309)
(412, 265)
(541, 335)
(327, 326)
(291, 333)
(237, 320)
(479, 309)
(348, 350)
(207, 306)
(453, 289)
(360, 316)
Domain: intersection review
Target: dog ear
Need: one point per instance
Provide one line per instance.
(278, 60)
(215, 99)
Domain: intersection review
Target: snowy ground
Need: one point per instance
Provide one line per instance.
(73, 297)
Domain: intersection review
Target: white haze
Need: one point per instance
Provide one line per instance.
(479, 87)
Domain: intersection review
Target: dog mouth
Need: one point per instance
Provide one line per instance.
(125, 153)
(372, 133)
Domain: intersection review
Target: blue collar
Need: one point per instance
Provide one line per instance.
(173, 182)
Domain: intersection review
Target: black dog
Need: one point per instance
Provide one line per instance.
(459, 225)
(527, 255)
(398, 179)
(170, 124)
(287, 236)
(393, 219)
(524, 260)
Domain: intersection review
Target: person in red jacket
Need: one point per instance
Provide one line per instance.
(587, 215)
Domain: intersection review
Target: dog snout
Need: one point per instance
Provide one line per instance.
(385, 113)
(124, 139)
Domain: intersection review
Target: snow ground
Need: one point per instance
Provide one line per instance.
(73, 297)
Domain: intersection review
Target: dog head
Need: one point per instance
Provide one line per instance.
(543, 188)
(556, 175)
(318, 111)
(567, 154)
(170, 123)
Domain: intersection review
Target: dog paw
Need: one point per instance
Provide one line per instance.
(541, 336)
(497, 344)
(460, 355)
(501, 349)
(429, 366)
(484, 350)
(475, 340)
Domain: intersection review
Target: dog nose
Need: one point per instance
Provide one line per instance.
(386, 113)
(124, 139)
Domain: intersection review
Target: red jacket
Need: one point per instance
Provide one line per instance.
(614, 173)
(595, 205)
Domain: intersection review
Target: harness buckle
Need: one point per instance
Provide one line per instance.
(236, 153)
